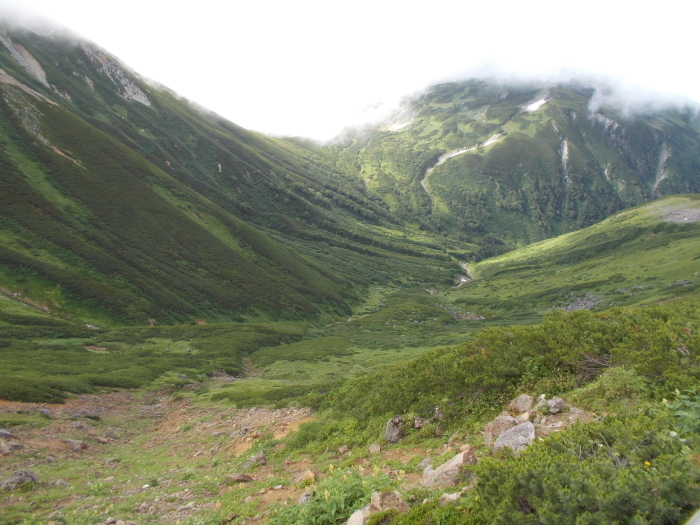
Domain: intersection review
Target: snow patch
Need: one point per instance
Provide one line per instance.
(399, 125)
(534, 106)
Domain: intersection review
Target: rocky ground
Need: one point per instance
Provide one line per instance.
(127, 458)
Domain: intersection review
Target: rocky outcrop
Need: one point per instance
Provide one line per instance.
(521, 404)
(19, 478)
(448, 474)
(517, 438)
(556, 405)
(308, 476)
(498, 426)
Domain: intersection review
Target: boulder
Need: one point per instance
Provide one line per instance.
(541, 402)
(238, 478)
(111, 435)
(5, 433)
(18, 478)
(447, 498)
(525, 416)
(516, 438)
(359, 517)
(306, 477)
(375, 448)
(556, 405)
(427, 462)
(76, 444)
(521, 404)
(496, 427)
(448, 474)
(393, 432)
(4, 448)
(343, 450)
(305, 497)
(258, 457)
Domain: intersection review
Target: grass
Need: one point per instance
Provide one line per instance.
(632, 258)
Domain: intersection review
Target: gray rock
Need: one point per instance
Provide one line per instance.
(305, 497)
(76, 444)
(111, 435)
(258, 457)
(238, 478)
(60, 483)
(4, 448)
(417, 422)
(343, 449)
(359, 517)
(516, 438)
(427, 462)
(307, 477)
(18, 478)
(393, 432)
(375, 448)
(448, 474)
(496, 427)
(101, 441)
(521, 404)
(44, 412)
(448, 499)
(5, 433)
(556, 405)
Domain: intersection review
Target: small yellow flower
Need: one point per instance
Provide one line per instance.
(330, 467)
(647, 464)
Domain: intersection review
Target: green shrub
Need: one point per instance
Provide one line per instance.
(335, 499)
(616, 389)
(627, 469)
(686, 411)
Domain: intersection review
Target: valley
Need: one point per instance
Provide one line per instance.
(202, 324)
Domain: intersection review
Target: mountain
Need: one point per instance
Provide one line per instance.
(125, 203)
(519, 163)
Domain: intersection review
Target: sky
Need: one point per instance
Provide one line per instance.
(311, 67)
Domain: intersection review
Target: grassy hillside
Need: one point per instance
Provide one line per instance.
(639, 256)
(126, 204)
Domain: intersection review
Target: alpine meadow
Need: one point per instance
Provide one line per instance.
(484, 310)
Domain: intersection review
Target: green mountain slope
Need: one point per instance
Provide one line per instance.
(129, 204)
(638, 256)
(476, 159)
